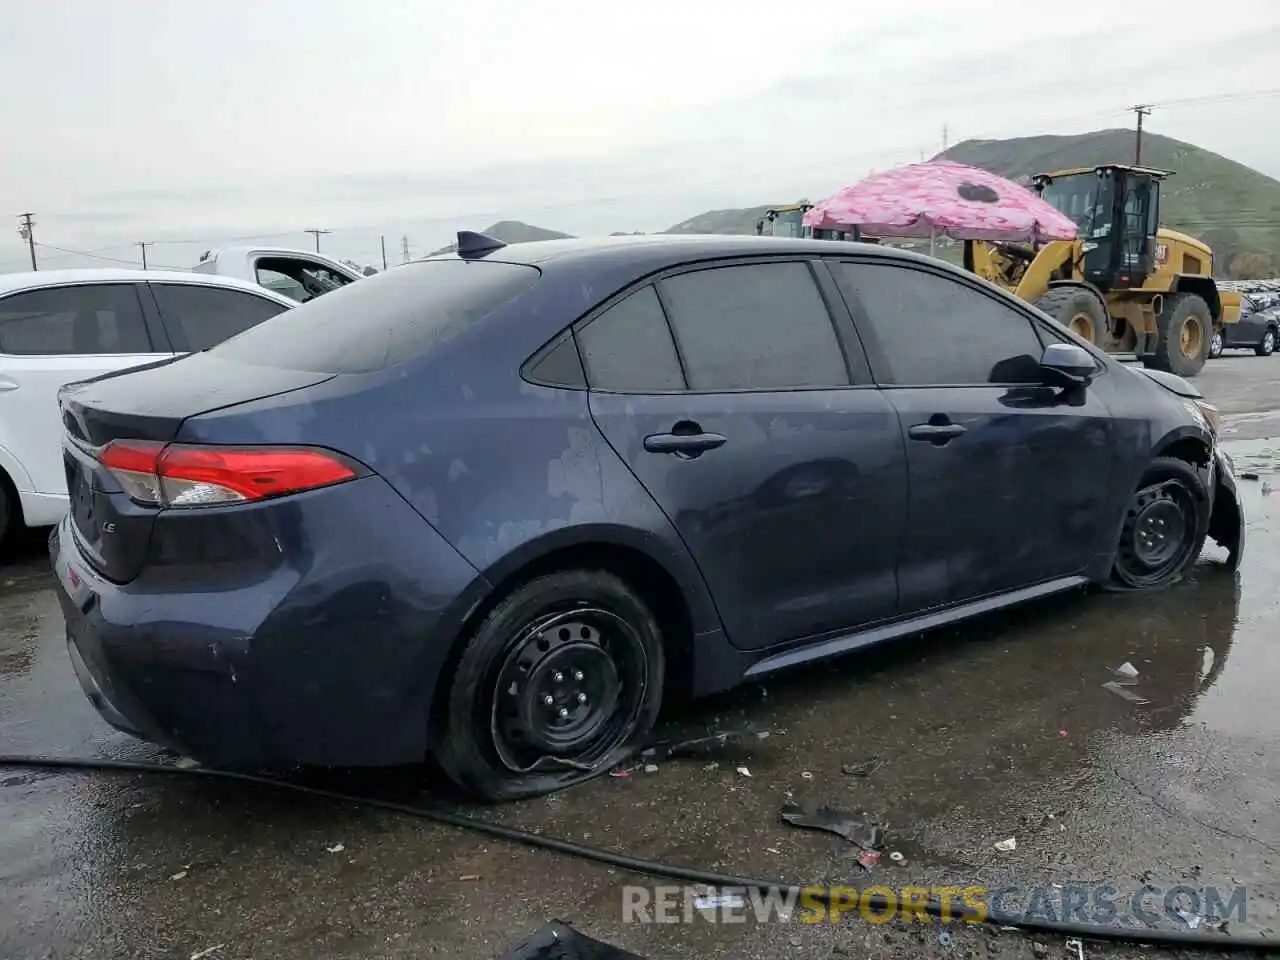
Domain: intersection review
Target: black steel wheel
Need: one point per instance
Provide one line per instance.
(560, 682)
(1164, 529)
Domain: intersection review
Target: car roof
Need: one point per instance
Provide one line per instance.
(30, 280)
(655, 251)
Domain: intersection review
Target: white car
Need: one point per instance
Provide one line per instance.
(298, 274)
(60, 326)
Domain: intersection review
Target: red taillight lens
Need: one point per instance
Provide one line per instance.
(178, 475)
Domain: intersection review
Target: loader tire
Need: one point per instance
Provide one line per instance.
(1076, 309)
(1183, 331)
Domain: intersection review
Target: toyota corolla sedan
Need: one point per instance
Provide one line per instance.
(492, 507)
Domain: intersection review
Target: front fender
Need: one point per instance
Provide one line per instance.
(1227, 521)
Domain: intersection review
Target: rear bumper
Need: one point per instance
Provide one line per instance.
(323, 650)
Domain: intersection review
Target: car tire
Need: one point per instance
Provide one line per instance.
(582, 638)
(10, 509)
(1077, 309)
(1165, 525)
(1217, 343)
(1267, 346)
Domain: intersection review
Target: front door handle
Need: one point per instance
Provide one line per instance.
(685, 440)
(7, 383)
(935, 433)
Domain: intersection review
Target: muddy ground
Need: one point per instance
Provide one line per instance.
(999, 730)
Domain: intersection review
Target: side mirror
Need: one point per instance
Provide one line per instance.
(1065, 364)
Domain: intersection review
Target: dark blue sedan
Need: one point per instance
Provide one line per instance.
(492, 506)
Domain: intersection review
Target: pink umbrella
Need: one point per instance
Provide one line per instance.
(942, 198)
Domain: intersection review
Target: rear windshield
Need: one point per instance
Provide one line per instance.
(382, 320)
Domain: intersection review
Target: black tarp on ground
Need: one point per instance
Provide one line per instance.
(559, 941)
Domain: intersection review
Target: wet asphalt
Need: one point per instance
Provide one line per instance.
(1002, 729)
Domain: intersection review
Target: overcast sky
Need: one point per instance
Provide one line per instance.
(149, 120)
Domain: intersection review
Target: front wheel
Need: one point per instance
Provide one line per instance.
(1165, 525)
(1183, 331)
(1268, 344)
(560, 682)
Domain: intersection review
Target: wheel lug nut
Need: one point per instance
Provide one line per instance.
(577, 674)
(548, 700)
(563, 713)
(582, 698)
(558, 677)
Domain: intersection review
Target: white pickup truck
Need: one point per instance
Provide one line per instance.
(298, 274)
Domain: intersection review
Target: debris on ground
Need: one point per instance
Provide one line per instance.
(868, 859)
(179, 875)
(743, 771)
(897, 857)
(806, 775)
(621, 773)
(1266, 488)
(944, 938)
(201, 954)
(559, 941)
(866, 835)
(1007, 846)
(1249, 476)
(1120, 690)
(862, 768)
(470, 877)
(650, 768)
(673, 749)
(1126, 671)
(336, 848)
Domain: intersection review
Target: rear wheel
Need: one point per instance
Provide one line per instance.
(559, 683)
(1183, 331)
(10, 508)
(1078, 310)
(1217, 343)
(1165, 526)
(1267, 346)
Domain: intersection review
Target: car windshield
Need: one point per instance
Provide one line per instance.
(1085, 198)
(382, 320)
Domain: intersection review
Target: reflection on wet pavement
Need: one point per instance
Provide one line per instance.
(1000, 729)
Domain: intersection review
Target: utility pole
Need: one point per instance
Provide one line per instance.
(1142, 110)
(317, 234)
(404, 247)
(944, 138)
(383, 238)
(142, 245)
(27, 231)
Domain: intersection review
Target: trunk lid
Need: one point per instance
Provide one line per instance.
(147, 403)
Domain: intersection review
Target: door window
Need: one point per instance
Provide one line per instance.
(760, 326)
(628, 348)
(923, 329)
(205, 316)
(298, 279)
(86, 320)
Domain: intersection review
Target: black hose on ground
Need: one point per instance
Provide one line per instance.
(1084, 931)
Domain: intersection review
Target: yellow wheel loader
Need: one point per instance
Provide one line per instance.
(788, 221)
(1126, 284)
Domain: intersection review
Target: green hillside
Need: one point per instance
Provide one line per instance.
(1233, 208)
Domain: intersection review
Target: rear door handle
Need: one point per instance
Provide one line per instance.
(686, 444)
(7, 383)
(935, 433)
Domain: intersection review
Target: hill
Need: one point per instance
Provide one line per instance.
(1233, 208)
(511, 231)
(723, 221)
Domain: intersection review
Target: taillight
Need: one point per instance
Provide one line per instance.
(178, 475)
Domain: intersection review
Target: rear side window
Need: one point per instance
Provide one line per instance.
(88, 320)
(383, 320)
(202, 317)
(629, 347)
(757, 326)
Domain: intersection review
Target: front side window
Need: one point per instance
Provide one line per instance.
(86, 320)
(298, 279)
(761, 326)
(923, 329)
